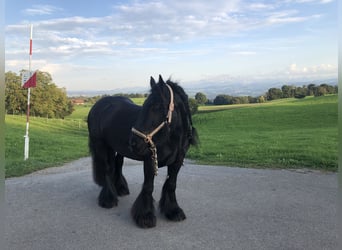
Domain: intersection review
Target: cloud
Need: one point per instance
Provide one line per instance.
(310, 1)
(140, 24)
(168, 21)
(245, 53)
(283, 17)
(261, 6)
(162, 31)
(326, 1)
(41, 10)
(20, 64)
(319, 71)
(291, 73)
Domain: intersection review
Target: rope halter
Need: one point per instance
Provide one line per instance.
(148, 137)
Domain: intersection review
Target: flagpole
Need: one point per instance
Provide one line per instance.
(27, 139)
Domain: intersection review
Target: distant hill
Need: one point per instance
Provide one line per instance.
(247, 88)
(212, 88)
(138, 90)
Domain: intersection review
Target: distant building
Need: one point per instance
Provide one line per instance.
(78, 101)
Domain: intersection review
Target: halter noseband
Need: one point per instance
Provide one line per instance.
(148, 137)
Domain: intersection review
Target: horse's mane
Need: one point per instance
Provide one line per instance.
(186, 114)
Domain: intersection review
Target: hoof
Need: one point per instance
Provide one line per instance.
(143, 211)
(106, 199)
(122, 187)
(107, 204)
(175, 214)
(122, 190)
(146, 220)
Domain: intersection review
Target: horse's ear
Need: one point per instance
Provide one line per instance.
(161, 79)
(152, 82)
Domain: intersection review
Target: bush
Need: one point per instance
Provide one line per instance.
(193, 105)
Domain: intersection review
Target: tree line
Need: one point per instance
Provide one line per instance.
(286, 91)
(290, 91)
(47, 100)
(224, 99)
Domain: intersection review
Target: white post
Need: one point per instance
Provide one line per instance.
(27, 139)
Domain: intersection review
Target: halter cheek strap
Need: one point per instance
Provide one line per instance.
(148, 137)
(171, 105)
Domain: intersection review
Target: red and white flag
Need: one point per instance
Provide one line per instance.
(31, 82)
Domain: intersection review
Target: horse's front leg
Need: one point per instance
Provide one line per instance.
(119, 180)
(143, 211)
(168, 203)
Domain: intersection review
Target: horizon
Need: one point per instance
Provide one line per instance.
(120, 45)
(228, 89)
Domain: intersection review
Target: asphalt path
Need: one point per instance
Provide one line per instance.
(226, 208)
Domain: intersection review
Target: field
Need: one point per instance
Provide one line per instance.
(52, 143)
(287, 133)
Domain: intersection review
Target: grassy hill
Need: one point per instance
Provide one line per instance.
(287, 133)
(52, 142)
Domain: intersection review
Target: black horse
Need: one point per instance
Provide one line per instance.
(159, 133)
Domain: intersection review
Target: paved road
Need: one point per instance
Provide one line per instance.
(226, 208)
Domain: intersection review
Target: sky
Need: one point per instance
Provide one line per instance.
(105, 45)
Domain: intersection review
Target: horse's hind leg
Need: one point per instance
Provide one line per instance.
(103, 172)
(108, 197)
(119, 180)
(168, 203)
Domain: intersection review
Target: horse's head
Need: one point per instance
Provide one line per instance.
(152, 125)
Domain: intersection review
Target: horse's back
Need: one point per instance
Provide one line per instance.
(109, 104)
(112, 112)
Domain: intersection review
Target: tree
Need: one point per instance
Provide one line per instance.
(244, 99)
(273, 94)
(288, 91)
(320, 91)
(193, 105)
(311, 89)
(223, 100)
(201, 98)
(252, 99)
(301, 92)
(261, 99)
(47, 99)
(329, 89)
(15, 95)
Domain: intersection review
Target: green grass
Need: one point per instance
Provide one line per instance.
(80, 112)
(52, 143)
(211, 108)
(138, 100)
(287, 133)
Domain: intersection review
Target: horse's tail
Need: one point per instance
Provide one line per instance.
(97, 147)
(194, 139)
(99, 160)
